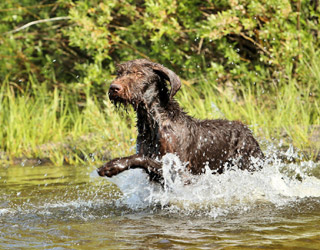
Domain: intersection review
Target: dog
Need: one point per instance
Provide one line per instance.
(163, 127)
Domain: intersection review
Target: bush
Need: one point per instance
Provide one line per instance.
(232, 40)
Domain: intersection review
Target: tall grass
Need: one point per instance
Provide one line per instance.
(290, 113)
(43, 123)
(50, 124)
(287, 114)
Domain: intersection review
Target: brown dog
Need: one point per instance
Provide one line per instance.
(163, 127)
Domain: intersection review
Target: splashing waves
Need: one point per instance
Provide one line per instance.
(277, 184)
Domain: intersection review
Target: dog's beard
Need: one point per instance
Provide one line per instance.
(119, 102)
(120, 105)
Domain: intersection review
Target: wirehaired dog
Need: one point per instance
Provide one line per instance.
(163, 127)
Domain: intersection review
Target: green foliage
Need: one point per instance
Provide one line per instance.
(252, 40)
(40, 50)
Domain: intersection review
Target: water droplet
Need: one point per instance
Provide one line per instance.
(164, 241)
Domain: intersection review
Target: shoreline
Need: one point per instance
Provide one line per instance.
(306, 155)
(69, 151)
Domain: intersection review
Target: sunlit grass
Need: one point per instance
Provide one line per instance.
(289, 113)
(286, 114)
(42, 123)
(50, 124)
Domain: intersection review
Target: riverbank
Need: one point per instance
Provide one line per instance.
(52, 126)
(71, 155)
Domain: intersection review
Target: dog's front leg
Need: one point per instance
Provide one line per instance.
(152, 167)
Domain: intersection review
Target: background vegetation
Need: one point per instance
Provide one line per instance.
(253, 60)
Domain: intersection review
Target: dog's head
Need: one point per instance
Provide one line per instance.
(142, 81)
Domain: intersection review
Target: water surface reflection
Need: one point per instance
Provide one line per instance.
(65, 208)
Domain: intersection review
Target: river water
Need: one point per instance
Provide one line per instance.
(68, 207)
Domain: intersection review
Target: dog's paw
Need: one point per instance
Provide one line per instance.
(110, 169)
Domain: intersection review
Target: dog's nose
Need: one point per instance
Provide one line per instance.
(115, 88)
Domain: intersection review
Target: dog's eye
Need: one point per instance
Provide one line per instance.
(139, 73)
(119, 73)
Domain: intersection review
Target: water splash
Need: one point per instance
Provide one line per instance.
(277, 184)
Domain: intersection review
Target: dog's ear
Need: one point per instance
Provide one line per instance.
(168, 75)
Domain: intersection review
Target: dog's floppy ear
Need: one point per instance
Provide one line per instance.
(169, 76)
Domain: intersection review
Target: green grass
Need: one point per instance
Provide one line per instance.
(290, 113)
(50, 124)
(42, 123)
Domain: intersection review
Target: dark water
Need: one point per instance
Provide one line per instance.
(48, 207)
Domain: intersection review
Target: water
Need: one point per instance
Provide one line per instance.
(46, 207)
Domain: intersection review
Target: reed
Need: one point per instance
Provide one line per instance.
(288, 111)
(50, 123)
